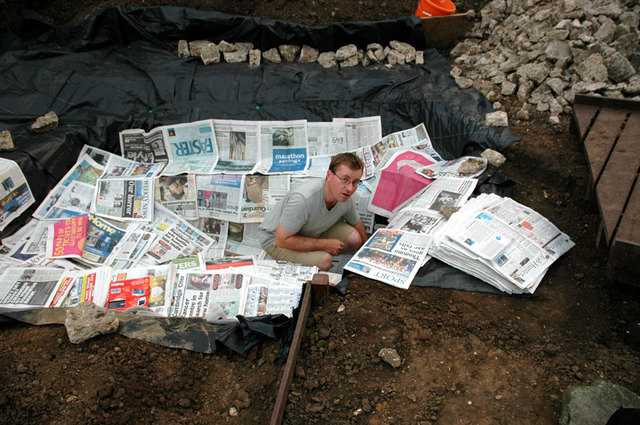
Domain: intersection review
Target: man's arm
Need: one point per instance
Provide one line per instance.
(289, 240)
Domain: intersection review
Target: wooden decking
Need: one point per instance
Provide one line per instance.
(610, 132)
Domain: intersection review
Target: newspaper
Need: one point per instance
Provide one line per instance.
(100, 156)
(501, 242)
(285, 272)
(238, 146)
(282, 146)
(78, 286)
(219, 196)
(37, 238)
(73, 194)
(191, 148)
(466, 166)
(135, 242)
(326, 138)
(445, 191)
(260, 194)
(398, 181)
(140, 146)
(177, 194)
(243, 240)
(217, 230)
(15, 194)
(144, 286)
(268, 296)
(416, 136)
(360, 132)
(30, 287)
(363, 199)
(391, 256)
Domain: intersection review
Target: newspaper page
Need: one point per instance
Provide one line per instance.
(119, 167)
(267, 296)
(191, 148)
(66, 199)
(425, 222)
(360, 132)
(180, 239)
(199, 291)
(182, 264)
(103, 237)
(445, 191)
(177, 194)
(391, 256)
(140, 146)
(100, 156)
(237, 144)
(326, 138)
(363, 199)
(124, 199)
(219, 196)
(416, 136)
(148, 286)
(217, 230)
(134, 243)
(30, 287)
(78, 286)
(466, 166)
(284, 271)
(243, 240)
(15, 194)
(37, 238)
(398, 181)
(501, 242)
(282, 147)
(260, 194)
(66, 238)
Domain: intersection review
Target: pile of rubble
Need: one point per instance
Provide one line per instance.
(396, 53)
(545, 52)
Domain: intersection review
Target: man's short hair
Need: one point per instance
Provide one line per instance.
(347, 158)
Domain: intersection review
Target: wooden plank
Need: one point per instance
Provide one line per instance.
(601, 138)
(625, 249)
(607, 102)
(614, 187)
(441, 32)
(582, 116)
(287, 374)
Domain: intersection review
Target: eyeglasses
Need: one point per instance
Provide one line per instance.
(345, 181)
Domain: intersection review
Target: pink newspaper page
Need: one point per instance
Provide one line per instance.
(67, 237)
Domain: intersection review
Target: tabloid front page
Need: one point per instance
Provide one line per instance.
(391, 256)
(140, 146)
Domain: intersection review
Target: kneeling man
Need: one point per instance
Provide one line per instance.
(319, 219)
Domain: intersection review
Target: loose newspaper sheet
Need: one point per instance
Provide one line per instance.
(238, 146)
(78, 286)
(28, 287)
(502, 242)
(178, 194)
(15, 194)
(391, 256)
(191, 148)
(445, 191)
(140, 146)
(143, 286)
(282, 147)
(466, 166)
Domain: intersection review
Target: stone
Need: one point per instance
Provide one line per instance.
(448, 210)
(558, 50)
(390, 356)
(6, 141)
(235, 56)
(493, 157)
(508, 88)
(402, 47)
(419, 57)
(183, 49)
(46, 122)
(327, 59)
(349, 62)
(619, 68)
(496, 119)
(535, 72)
(471, 166)
(595, 403)
(463, 82)
(593, 69)
(254, 57)
(272, 55)
(606, 31)
(88, 320)
(196, 46)
(210, 54)
(225, 46)
(394, 57)
(308, 54)
(289, 52)
(244, 45)
(345, 52)
(557, 85)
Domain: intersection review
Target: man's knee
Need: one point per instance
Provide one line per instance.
(326, 262)
(353, 242)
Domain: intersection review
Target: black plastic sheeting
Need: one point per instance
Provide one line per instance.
(119, 69)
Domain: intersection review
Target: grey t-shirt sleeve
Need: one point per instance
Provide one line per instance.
(295, 213)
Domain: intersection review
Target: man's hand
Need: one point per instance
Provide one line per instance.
(333, 246)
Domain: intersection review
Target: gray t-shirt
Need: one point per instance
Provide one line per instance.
(304, 212)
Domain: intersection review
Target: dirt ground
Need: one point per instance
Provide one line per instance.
(467, 358)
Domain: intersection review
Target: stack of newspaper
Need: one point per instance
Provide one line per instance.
(501, 242)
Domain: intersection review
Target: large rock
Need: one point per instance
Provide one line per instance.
(497, 119)
(47, 122)
(88, 320)
(594, 404)
(327, 59)
(210, 54)
(346, 52)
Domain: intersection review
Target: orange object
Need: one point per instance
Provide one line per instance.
(427, 8)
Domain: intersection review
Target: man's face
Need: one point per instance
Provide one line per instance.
(337, 189)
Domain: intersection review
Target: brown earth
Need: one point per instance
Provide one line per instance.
(467, 358)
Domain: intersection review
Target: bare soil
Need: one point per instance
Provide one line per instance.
(467, 358)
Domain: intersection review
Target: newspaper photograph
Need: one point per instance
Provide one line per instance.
(191, 148)
(425, 222)
(360, 132)
(266, 296)
(140, 146)
(391, 256)
(82, 285)
(124, 199)
(466, 166)
(398, 181)
(102, 239)
(282, 147)
(177, 194)
(100, 156)
(260, 194)
(15, 194)
(23, 288)
(445, 191)
(243, 240)
(141, 287)
(219, 196)
(237, 145)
